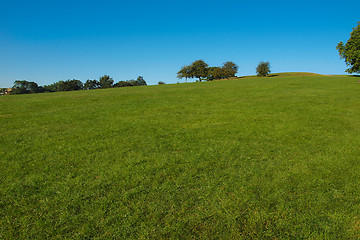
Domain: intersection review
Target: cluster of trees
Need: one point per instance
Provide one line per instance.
(201, 70)
(24, 87)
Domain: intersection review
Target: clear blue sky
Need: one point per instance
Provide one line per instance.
(48, 41)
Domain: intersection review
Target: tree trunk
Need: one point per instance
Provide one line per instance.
(199, 79)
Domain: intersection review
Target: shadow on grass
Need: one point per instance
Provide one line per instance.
(273, 75)
(354, 75)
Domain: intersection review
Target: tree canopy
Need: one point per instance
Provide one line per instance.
(229, 69)
(215, 73)
(201, 70)
(23, 87)
(106, 82)
(185, 72)
(263, 69)
(350, 51)
(130, 83)
(140, 81)
(198, 69)
(69, 85)
(91, 84)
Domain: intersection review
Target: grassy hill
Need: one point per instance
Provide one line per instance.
(249, 158)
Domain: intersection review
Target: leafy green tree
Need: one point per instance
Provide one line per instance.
(215, 73)
(40, 89)
(123, 84)
(69, 85)
(130, 83)
(106, 82)
(263, 69)
(198, 69)
(350, 51)
(50, 88)
(91, 84)
(140, 81)
(185, 72)
(229, 69)
(23, 87)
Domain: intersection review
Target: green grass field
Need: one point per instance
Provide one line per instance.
(249, 158)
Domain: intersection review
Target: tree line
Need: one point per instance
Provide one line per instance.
(25, 87)
(198, 69)
(201, 70)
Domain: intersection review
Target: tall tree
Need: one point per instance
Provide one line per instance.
(198, 69)
(263, 69)
(215, 73)
(140, 81)
(350, 51)
(22, 87)
(185, 72)
(123, 84)
(69, 85)
(50, 88)
(229, 69)
(91, 84)
(106, 82)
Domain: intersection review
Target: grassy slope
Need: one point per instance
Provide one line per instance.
(251, 158)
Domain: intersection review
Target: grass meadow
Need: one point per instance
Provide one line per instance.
(249, 158)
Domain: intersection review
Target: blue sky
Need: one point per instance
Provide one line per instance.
(48, 41)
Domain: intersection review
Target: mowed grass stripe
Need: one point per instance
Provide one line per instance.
(246, 158)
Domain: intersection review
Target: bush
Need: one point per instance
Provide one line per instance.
(160, 83)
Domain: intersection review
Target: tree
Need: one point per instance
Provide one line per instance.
(23, 87)
(263, 69)
(161, 83)
(130, 83)
(106, 82)
(91, 84)
(215, 73)
(123, 84)
(198, 69)
(140, 81)
(185, 72)
(50, 88)
(351, 51)
(69, 85)
(229, 69)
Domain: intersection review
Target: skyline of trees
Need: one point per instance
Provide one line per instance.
(26, 87)
(198, 69)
